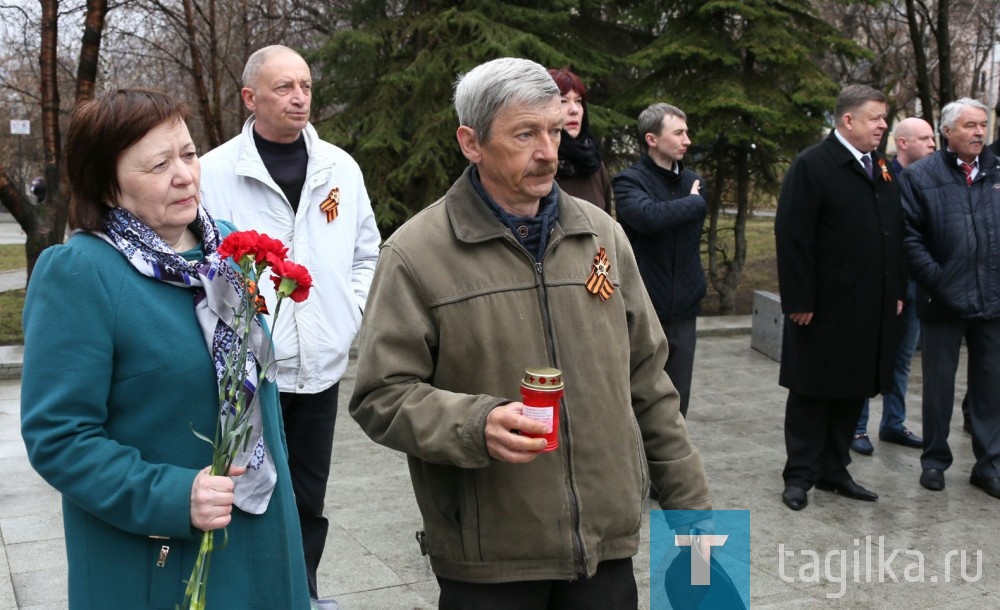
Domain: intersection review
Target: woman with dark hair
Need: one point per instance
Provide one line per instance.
(581, 172)
(125, 331)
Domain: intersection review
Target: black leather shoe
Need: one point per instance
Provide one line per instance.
(849, 489)
(988, 484)
(794, 497)
(861, 444)
(902, 437)
(932, 479)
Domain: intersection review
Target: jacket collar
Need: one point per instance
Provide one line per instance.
(987, 162)
(317, 159)
(843, 156)
(951, 162)
(666, 174)
(472, 221)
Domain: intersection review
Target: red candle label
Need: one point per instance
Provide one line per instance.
(541, 393)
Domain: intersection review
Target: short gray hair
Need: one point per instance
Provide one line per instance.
(258, 58)
(951, 110)
(484, 91)
(651, 120)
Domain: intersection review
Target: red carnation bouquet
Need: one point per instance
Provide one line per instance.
(253, 254)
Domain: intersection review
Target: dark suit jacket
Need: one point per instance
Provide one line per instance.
(839, 246)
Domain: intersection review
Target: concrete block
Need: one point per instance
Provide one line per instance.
(768, 321)
(11, 357)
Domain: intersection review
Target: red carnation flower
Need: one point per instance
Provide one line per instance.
(264, 250)
(291, 280)
(270, 251)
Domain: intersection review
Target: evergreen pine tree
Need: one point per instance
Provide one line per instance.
(387, 79)
(748, 76)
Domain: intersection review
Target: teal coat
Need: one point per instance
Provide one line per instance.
(116, 376)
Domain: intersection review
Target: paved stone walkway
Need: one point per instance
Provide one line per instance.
(372, 561)
(816, 557)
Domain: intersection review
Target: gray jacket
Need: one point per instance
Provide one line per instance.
(458, 310)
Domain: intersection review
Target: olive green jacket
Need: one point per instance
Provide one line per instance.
(458, 310)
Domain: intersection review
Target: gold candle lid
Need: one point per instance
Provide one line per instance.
(542, 378)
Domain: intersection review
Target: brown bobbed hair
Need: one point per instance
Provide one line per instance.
(567, 81)
(100, 130)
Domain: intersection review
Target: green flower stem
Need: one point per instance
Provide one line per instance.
(233, 431)
(197, 584)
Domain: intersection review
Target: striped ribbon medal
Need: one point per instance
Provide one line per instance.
(599, 282)
(331, 203)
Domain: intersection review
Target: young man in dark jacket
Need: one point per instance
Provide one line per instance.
(661, 207)
(952, 204)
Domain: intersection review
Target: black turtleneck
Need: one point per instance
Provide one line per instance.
(286, 163)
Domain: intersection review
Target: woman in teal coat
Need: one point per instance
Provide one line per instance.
(122, 345)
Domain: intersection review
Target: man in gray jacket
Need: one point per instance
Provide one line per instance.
(952, 244)
(507, 272)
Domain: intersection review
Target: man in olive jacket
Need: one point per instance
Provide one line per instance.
(508, 272)
(838, 232)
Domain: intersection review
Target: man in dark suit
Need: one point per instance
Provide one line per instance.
(839, 243)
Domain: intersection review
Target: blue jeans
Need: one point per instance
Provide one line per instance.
(894, 403)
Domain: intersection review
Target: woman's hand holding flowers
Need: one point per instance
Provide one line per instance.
(212, 499)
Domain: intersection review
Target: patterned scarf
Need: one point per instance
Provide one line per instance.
(217, 297)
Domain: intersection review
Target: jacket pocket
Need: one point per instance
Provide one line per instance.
(950, 288)
(643, 464)
(164, 559)
(468, 517)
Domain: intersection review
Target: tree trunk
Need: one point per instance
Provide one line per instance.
(735, 269)
(90, 50)
(44, 224)
(215, 73)
(920, 62)
(715, 252)
(198, 74)
(41, 232)
(946, 86)
(726, 276)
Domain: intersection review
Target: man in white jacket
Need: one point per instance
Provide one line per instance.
(278, 177)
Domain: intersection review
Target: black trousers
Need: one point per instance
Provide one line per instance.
(309, 423)
(942, 344)
(681, 337)
(612, 588)
(818, 433)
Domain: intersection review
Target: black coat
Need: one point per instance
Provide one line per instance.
(663, 220)
(839, 246)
